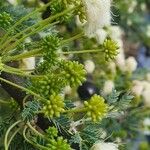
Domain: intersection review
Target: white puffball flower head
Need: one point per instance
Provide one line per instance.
(137, 88)
(131, 64)
(104, 146)
(28, 63)
(98, 15)
(108, 87)
(89, 66)
(100, 35)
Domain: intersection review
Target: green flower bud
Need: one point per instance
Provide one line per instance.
(51, 132)
(53, 107)
(96, 108)
(110, 49)
(73, 72)
(5, 20)
(58, 144)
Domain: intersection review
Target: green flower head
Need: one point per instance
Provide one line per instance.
(54, 106)
(110, 49)
(73, 72)
(5, 20)
(96, 108)
(58, 144)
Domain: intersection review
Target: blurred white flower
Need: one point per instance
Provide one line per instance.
(148, 31)
(104, 146)
(120, 60)
(67, 90)
(115, 32)
(108, 87)
(28, 63)
(148, 77)
(98, 15)
(146, 122)
(137, 88)
(13, 2)
(89, 66)
(100, 35)
(146, 93)
(131, 64)
(132, 6)
(146, 97)
(112, 67)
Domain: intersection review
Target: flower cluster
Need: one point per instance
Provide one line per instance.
(96, 108)
(53, 107)
(50, 44)
(56, 143)
(110, 49)
(5, 20)
(73, 72)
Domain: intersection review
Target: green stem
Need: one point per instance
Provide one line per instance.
(4, 102)
(76, 110)
(20, 73)
(36, 51)
(73, 38)
(23, 88)
(39, 24)
(7, 133)
(13, 135)
(40, 147)
(22, 56)
(26, 34)
(35, 131)
(23, 19)
(82, 51)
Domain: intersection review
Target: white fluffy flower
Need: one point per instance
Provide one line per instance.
(146, 93)
(98, 15)
(104, 146)
(115, 32)
(108, 87)
(67, 90)
(13, 2)
(148, 77)
(137, 87)
(148, 31)
(28, 63)
(131, 64)
(100, 35)
(89, 66)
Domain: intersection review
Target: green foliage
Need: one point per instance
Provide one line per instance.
(30, 110)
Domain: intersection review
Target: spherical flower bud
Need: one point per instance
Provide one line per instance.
(96, 108)
(104, 146)
(89, 66)
(131, 64)
(74, 72)
(146, 97)
(110, 49)
(53, 107)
